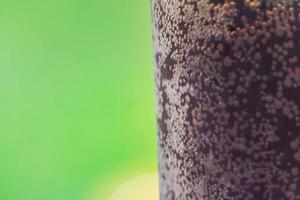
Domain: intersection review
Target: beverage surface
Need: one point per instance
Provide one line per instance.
(228, 94)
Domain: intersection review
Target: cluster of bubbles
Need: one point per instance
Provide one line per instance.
(228, 95)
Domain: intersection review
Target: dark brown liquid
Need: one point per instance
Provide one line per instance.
(228, 95)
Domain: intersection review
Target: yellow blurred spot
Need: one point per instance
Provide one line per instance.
(144, 187)
(253, 4)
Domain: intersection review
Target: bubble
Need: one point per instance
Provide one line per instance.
(227, 61)
(239, 89)
(289, 194)
(190, 162)
(222, 48)
(297, 156)
(288, 83)
(293, 186)
(253, 4)
(279, 31)
(295, 171)
(257, 56)
(257, 188)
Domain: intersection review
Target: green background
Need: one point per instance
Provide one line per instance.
(76, 97)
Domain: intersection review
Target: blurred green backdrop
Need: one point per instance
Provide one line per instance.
(76, 97)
